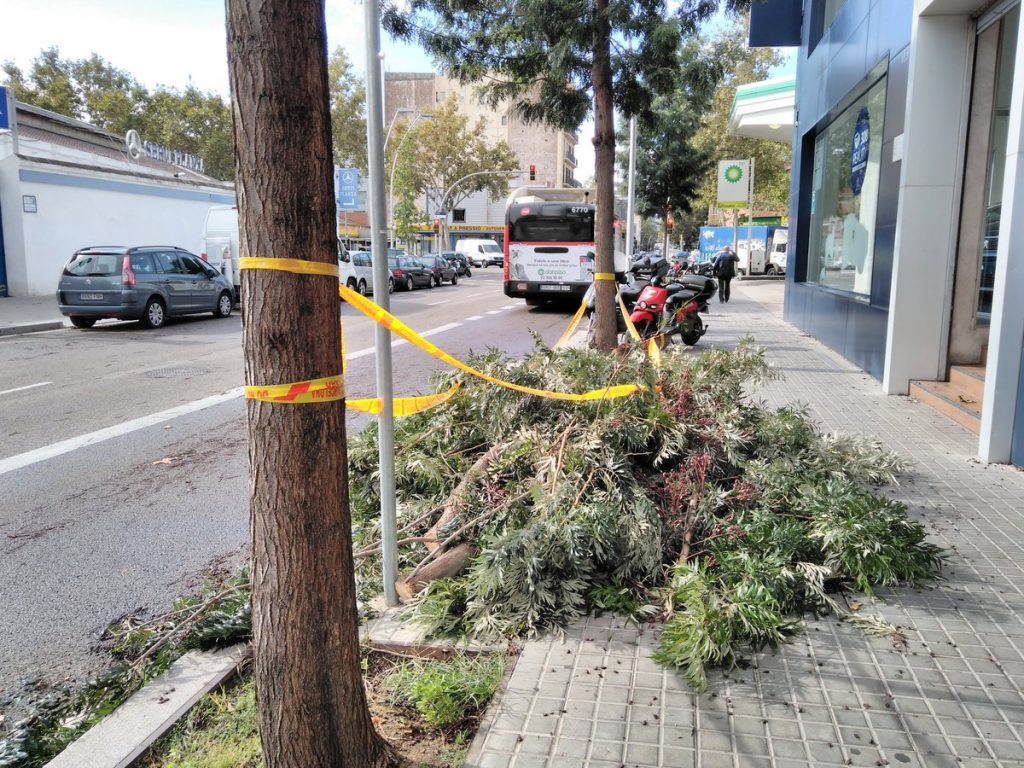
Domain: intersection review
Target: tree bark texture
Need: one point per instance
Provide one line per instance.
(311, 700)
(606, 336)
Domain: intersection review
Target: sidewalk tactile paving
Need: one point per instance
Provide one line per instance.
(832, 696)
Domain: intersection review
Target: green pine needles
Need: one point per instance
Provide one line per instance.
(691, 500)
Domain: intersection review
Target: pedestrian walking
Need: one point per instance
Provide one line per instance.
(725, 270)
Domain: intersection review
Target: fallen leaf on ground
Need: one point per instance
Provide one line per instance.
(166, 460)
(855, 606)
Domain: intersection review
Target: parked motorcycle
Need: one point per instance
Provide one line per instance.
(704, 268)
(659, 304)
(668, 307)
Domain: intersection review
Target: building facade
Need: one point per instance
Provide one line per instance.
(551, 152)
(907, 213)
(65, 185)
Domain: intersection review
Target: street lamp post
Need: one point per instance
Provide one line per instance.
(444, 197)
(394, 164)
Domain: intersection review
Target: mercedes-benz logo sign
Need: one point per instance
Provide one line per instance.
(134, 143)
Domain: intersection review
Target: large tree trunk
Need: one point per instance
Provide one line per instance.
(312, 705)
(604, 172)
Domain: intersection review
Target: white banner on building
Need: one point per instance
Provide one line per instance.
(733, 183)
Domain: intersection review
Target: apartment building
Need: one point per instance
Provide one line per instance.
(550, 151)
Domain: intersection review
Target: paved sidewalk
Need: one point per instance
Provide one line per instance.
(833, 696)
(29, 314)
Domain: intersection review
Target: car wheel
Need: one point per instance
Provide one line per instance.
(351, 284)
(361, 288)
(224, 305)
(468, 273)
(771, 270)
(83, 322)
(409, 284)
(430, 283)
(391, 284)
(154, 314)
(455, 278)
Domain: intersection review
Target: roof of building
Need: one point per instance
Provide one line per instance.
(49, 137)
(765, 110)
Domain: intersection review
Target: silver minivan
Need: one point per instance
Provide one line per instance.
(148, 284)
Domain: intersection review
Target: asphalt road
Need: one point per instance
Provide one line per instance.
(123, 470)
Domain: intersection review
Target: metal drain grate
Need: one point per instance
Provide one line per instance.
(175, 373)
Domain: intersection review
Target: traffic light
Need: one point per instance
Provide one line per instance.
(670, 222)
(533, 173)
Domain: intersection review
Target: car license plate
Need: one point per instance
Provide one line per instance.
(554, 288)
(91, 296)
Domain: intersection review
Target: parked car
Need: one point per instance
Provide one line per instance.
(355, 271)
(409, 272)
(482, 252)
(441, 269)
(459, 262)
(146, 283)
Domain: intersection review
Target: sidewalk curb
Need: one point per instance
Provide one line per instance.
(22, 328)
(119, 739)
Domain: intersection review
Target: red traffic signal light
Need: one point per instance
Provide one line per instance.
(533, 173)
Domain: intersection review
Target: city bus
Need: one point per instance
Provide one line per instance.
(549, 244)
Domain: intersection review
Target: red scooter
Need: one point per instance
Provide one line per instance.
(673, 307)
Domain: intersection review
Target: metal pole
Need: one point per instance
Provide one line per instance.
(750, 221)
(631, 194)
(394, 164)
(382, 337)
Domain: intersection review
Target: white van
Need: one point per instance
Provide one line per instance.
(480, 252)
(220, 243)
(355, 270)
(778, 258)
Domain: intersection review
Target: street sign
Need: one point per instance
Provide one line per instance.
(5, 118)
(733, 183)
(346, 188)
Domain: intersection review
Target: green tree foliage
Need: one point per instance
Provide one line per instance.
(441, 150)
(96, 92)
(741, 65)
(557, 61)
(348, 112)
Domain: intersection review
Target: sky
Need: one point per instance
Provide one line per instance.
(182, 42)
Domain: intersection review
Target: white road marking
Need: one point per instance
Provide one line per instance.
(66, 446)
(28, 458)
(431, 304)
(494, 311)
(474, 317)
(30, 386)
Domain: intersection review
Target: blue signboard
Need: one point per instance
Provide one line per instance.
(859, 151)
(714, 239)
(346, 188)
(5, 119)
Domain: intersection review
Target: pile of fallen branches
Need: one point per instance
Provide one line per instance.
(519, 514)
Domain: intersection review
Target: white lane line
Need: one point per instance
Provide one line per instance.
(475, 317)
(400, 342)
(494, 311)
(431, 304)
(66, 446)
(22, 389)
(512, 306)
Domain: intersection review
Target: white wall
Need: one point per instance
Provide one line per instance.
(929, 202)
(75, 210)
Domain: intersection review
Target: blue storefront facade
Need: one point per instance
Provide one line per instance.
(906, 229)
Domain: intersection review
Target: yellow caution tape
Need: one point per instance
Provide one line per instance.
(297, 266)
(403, 406)
(625, 316)
(391, 322)
(315, 390)
(567, 334)
(323, 390)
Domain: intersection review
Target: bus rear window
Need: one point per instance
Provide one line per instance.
(553, 230)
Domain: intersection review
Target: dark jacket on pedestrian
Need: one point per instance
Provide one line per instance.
(725, 263)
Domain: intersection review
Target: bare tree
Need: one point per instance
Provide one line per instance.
(312, 705)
